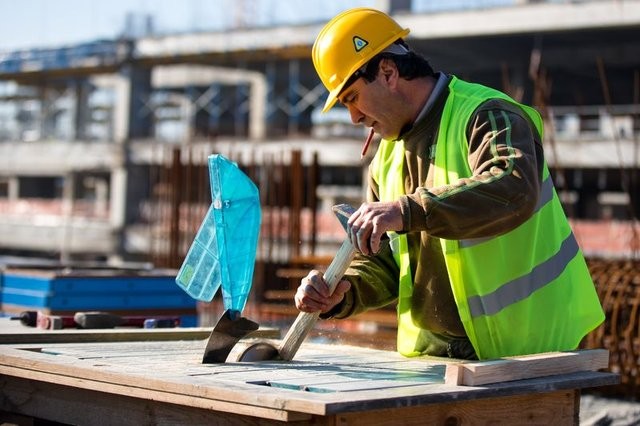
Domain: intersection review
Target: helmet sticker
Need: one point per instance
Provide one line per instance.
(359, 43)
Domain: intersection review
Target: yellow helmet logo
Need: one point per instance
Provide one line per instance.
(359, 43)
(349, 41)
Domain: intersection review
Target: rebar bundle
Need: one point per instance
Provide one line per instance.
(618, 286)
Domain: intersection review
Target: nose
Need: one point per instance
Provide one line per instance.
(357, 117)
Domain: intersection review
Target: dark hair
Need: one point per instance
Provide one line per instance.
(410, 65)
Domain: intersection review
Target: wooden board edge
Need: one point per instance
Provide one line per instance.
(123, 334)
(525, 367)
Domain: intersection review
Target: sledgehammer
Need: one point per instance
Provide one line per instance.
(264, 350)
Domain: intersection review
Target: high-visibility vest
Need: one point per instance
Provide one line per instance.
(526, 291)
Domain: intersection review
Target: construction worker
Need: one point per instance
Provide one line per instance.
(462, 227)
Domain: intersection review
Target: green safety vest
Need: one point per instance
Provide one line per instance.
(526, 291)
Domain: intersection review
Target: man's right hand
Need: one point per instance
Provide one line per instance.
(370, 222)
(313, 293)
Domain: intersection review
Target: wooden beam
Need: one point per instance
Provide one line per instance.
(477, 373)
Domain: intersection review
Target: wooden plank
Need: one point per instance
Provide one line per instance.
(306, 382)
(361, 385)
(358, 373)
(321, 377)
(525, 367)
(140, 349)
(345, 354)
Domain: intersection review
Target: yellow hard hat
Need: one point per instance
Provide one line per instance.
(348, 42)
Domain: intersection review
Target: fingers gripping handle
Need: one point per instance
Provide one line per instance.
(305, 321)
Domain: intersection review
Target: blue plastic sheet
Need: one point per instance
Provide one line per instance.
(224, 250)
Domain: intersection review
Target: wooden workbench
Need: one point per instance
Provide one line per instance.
(162, 382)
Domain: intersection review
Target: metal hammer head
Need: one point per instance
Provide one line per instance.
(230, 328)
(269, 351)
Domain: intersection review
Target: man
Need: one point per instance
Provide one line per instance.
(462, 226)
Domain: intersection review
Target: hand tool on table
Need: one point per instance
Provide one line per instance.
(94, 320)
(28, 318)
(54, 322)
(223, 254)
(265, 351)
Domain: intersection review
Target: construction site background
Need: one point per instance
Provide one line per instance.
(103, 145)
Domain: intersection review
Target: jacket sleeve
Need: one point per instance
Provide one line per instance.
(506, 158)
(374, 283)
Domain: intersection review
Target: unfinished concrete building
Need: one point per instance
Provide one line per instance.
(84, 129)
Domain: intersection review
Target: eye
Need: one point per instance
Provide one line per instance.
(350, 98)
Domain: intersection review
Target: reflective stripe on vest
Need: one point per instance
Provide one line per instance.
(524, 286)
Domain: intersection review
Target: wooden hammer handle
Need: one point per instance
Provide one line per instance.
(305, 321)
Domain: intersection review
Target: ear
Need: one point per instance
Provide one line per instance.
(389, 72)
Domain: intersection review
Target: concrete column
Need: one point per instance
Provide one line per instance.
(214, 110)
(294, 97)
(393, 6)
(118, 196)
(13, 188)
(399, 6)
(190, 112)
(81, 110)
(270, 94)
(258, 107)
(131, 120)
(383, 5)
(100, 189)
(117, 210)
(47, 125)
(68, 198)
(120, 115)
(241, 94)
(139, 87)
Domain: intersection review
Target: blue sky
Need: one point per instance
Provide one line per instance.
(50, 23)
(47, 23)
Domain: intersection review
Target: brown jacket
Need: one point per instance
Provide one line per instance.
(500, 195)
